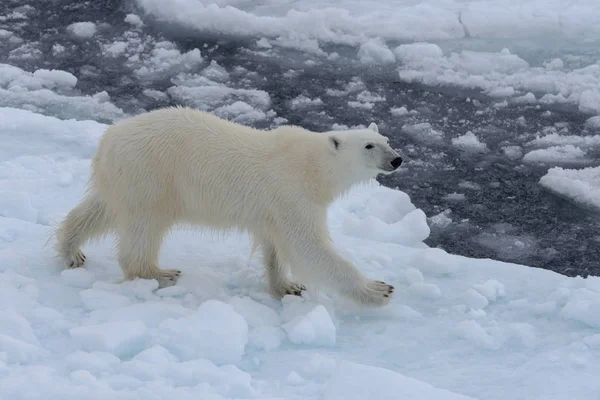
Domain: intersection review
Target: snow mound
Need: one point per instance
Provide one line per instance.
(580, 185)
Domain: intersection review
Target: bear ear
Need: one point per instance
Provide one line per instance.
(334, 142)
(374, 127)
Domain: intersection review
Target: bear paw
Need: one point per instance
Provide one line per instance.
(167, 277)
(288, 288)
(376, 293)
(76, 260)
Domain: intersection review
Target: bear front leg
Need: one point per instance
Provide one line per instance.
(138, 248)
(324, 265)
(279, 284)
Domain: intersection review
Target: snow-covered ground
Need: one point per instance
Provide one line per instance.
(456, 326)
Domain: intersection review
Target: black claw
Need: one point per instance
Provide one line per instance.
(385, 295)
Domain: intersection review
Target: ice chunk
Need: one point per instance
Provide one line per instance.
(134, 20)
(513, 152)
(554, 139)
(215, 331)
(555, 154)
(375, 51)
(156, 355)
(436, 261)
(423, 132)
(469, 142)
(16, 351)
(582, 306)
(256, 314)
(303, 102)
(266, 337)
(589, 102)
(593, 123)
(84, 30)
(413, 275)
(416, 53)
(166, 60)
(123, 338)
(580, 185)
(313, 328)
(16, 326)
(115, 49)
(490, 289)
(475, 300)
(442, 219)
(399, 111)
(56, 78)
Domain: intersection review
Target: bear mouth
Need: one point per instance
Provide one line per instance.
(387, 170)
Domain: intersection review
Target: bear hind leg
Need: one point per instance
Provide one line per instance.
(90, 219)
(138, 248)
(279, 284)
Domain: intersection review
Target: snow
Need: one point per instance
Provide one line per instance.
(456, 327)
(580, 185)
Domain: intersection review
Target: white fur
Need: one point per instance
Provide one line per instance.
(182, 166)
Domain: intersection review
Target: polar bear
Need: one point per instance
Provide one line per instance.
(183, 166)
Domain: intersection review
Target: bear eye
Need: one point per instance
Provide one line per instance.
(369, 146)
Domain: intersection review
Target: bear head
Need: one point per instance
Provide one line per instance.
(363, 153)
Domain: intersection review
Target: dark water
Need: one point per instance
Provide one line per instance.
(505, 213)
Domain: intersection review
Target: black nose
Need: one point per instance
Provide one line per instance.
(396, 162)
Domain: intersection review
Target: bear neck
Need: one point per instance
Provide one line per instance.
(328, 183)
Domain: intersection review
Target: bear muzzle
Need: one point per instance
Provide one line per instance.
(396, 162)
